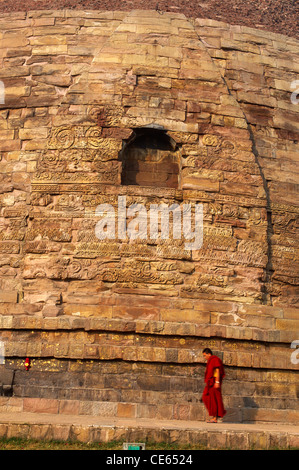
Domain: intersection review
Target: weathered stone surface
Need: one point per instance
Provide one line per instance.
(161, 110)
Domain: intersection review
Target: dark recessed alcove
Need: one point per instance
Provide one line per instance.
(150, 158)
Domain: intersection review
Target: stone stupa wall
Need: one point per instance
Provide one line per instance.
(158, 108)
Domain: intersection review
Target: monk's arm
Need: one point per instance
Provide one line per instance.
(217, 378)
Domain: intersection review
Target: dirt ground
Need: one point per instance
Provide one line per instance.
(280, 16)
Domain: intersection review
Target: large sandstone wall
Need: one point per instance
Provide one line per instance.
(117, 327)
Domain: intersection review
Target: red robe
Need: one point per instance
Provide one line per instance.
(211, 396)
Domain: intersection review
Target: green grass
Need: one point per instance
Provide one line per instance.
(15, 443)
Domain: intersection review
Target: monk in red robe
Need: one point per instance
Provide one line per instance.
(211, 396)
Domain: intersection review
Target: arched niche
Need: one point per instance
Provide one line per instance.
(150, 158)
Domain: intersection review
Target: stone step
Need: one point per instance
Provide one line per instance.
(249, 398)
(92, 429)
(190, 411)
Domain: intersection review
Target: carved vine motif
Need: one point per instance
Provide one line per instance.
(211, 151)
(80, 168)
(90, 154)
(107, 116)
(79, 154)
(138, 272)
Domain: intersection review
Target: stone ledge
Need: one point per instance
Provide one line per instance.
(180, 412)
(286, 330)
(88, 429)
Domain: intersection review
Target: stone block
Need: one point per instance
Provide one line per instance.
(178, 315)
(18, 430)
(69, 407)
(288, 324)
(105, 409)
(80, 433)
(217, 440)
(16, 71)
(276, 441)
(51, 310)
(126, 410)
(40, 432)
(91, 351)
(135, 313)
(11, 404)
(165, 411)
(103, 311)
(76, 351)
(293, 442)
(258, 441)
(40, 405)
(3, 430)
(237, 441)
(201, 184)
(8, 296)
